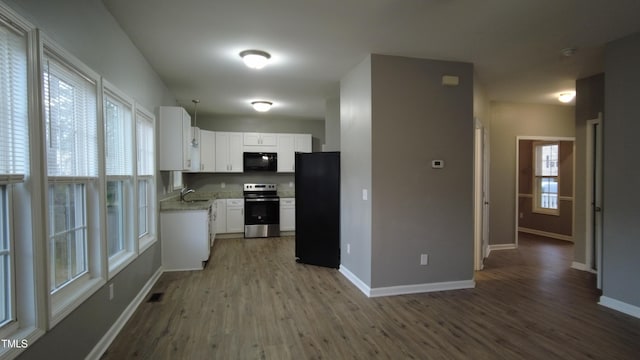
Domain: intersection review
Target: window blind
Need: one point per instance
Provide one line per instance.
(13, 105)
(146, 147)
(71, 121)
(118, 138)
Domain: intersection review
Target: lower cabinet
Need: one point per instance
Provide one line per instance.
(186, 242)
(287, 214)
(230, 216)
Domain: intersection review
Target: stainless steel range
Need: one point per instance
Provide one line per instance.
(261, 210)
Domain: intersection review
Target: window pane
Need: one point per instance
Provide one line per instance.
(68, 233)
(115, 217)
(548, 193)
(13, 102)
(118, 139)
(71, 121)
(144, 131)
(547, 160)
(5, 260)
(142, 208)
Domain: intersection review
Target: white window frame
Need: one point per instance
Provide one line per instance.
(150, 237)
(537, 179)
(23, 212)
(119, 261)
(64, 300)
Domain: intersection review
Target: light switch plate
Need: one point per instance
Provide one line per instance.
(365, 194)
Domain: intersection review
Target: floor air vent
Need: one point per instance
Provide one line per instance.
(155, 297)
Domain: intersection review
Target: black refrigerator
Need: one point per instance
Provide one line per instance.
(318, 208)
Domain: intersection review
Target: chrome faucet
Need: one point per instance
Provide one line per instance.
(184, 192)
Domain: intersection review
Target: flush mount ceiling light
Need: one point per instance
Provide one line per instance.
(566, 97)
(255, 59)
(568, 52)
(261, 106)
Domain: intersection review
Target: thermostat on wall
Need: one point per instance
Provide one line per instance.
(437, 164)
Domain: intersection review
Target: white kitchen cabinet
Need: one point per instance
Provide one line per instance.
(287, 214)
(175, 139)
(260, 139)
(288, 145)
(186, 242)
(235, 215)
(230, 216)
(228, 153)
(195, 150)
(302, 143)
(207, 146)
(286, 152)
(221, 219)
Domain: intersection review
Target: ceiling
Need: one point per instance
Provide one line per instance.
(514, 45)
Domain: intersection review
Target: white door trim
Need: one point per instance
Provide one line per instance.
(480, 188)
(590, 201)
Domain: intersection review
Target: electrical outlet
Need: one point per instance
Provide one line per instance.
(521, 215)
(111, 291)
(424, 259)
(365, 194)
(348, 248)
(290, 184)
(223, 185)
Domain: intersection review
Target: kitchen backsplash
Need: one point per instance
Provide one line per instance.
(234, 182)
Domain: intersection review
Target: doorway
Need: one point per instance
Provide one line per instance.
(594, 198)
(545, 187)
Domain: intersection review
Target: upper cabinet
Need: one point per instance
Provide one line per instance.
(228, 153)
(260, 139)
(203, 154)
(260, 142)
(175, 139)
(288, 145)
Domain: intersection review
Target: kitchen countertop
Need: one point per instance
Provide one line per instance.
(204, 199)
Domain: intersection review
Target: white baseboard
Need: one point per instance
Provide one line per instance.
(546, 234)
(115, 329)
(355, 280)
(502, 247)
(620, 306)
(582, 267)
(422, 288)
(404, 289)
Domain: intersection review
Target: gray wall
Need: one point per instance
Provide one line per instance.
(355, 170)
(87, 30)
(332, 125)
(509, 120)
(589, 102)
(417, 209)
(621, 262)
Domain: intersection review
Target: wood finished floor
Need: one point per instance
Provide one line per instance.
(254, 302)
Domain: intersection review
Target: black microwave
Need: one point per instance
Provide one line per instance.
(260, 161)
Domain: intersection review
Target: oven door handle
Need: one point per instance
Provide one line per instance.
(261, 200)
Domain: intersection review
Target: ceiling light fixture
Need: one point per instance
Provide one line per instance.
(255, 59)
(261, 106)
(566, 97)
(568, 52)
(194, 141)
